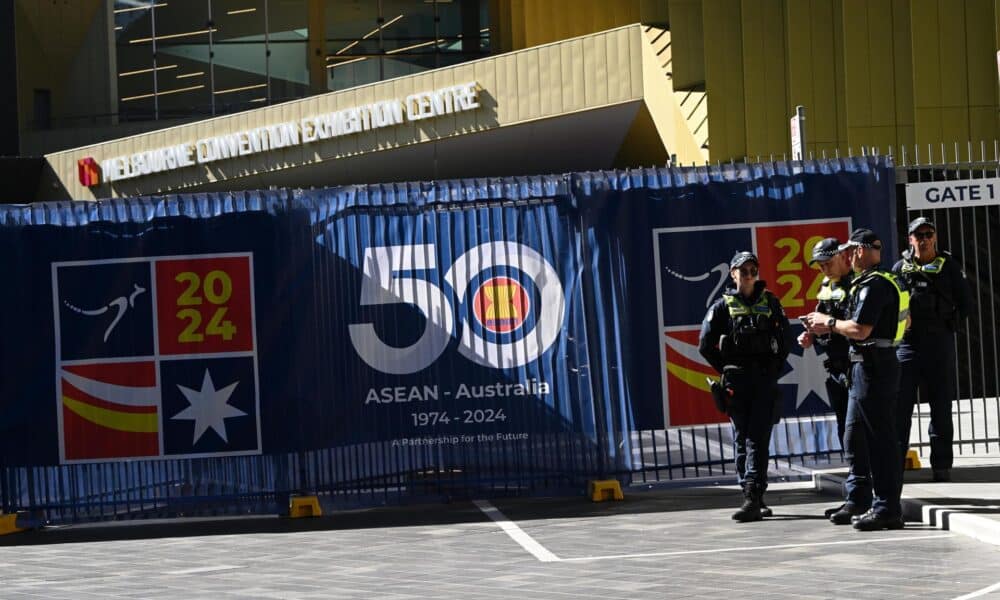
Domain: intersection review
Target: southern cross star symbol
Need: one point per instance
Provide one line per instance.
(808, 375)
(209, 408)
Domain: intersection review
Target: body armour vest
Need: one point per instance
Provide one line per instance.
(932, 299)
(832, 299)
(752, 332)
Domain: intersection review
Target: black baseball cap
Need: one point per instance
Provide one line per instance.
(866, 238)
(824, 250)
(742, 257)
(919, 222)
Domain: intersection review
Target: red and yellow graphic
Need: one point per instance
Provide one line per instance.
(88, 171)
(501, 304)
(110, 410)
(785, 252)
(687, 387)
(203, 305)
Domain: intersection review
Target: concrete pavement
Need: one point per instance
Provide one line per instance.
(969, 504)
(670, 542)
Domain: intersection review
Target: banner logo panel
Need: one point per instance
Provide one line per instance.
(182, 384)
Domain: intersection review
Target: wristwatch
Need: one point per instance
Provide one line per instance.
(831, 322)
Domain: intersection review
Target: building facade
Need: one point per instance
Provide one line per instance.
(723, 80)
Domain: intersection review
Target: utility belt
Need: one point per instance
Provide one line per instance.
(872, 343)
(761, 367)
(867, 353)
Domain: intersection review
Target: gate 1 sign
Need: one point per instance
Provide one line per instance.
(952, 194)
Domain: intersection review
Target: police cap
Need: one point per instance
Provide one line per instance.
(742, 257)
(824, 250)
(919, 222)
(866, 238)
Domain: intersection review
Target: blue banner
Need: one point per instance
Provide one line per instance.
(513, 325)
(673, 231)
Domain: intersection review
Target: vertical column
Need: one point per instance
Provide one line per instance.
(811, 73)
(724, 79)
(981, 44)
(469, 10)
(9, 133)
(317, 46)
(764, 80)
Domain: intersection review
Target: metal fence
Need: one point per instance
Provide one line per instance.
(346, 477)
(798, 445)
(972, 235)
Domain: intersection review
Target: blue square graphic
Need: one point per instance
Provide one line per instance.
(209, 405)
(694, 270)
(105, 310)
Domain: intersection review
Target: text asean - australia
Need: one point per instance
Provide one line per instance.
(376, 115)
(953, 194)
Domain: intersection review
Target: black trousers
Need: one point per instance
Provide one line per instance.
(927, 364)
(752, 415)
(870, 431)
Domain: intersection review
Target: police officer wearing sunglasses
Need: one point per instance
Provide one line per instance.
(940, 299)
(743, 338)
(877, 316)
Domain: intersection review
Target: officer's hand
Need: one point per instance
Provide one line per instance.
(817, 323)
(805, 339)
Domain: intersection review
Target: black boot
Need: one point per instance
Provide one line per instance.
(750, 511)
(765, 510)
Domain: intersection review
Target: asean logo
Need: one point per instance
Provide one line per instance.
(501, 305)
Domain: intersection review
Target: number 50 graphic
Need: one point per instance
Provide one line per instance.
(383, 285)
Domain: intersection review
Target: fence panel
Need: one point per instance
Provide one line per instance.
(966, 214)
(215, 353)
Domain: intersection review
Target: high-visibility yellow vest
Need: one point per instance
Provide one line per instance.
(904, 299)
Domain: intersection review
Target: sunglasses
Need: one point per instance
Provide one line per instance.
(750, 271)
(922, 235)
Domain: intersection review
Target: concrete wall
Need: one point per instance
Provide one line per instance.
(65, 48)
(519, 24)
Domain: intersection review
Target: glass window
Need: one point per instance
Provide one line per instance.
(133, 25)
(288, 64)
(353, 45)
(179, 58)
(239, 64)
(371, 41)
(183, 80)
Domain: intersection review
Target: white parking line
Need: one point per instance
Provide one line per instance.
(516, 533)
(204, 570)
(978, 593)
(775, 547)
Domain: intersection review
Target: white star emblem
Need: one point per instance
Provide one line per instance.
(808, 375)
(209, 408)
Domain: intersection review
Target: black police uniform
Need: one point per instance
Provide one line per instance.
(744, 340)
(833, 301)
(870, 425)
(939, 300)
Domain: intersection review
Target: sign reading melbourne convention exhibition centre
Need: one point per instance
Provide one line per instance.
(376, 115)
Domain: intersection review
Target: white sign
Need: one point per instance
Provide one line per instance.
(385, 113)
(797, 126)
(953, 194)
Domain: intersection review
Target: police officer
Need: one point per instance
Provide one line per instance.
(743, 338)
(940, 299)
(833, 297)
(878, 309)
